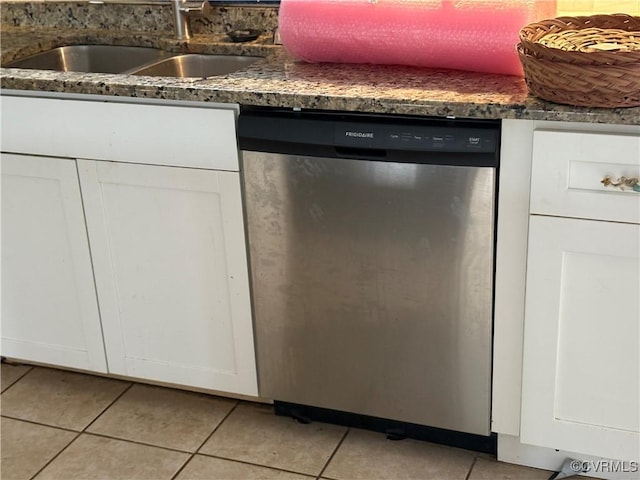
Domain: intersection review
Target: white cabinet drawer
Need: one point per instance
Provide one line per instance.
(149, 134)
(567, 173)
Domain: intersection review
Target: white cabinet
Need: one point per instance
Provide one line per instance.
(170, 265)
(581, 379)
(165, 244)
(581, 363)
(566, 376)
(49, 307)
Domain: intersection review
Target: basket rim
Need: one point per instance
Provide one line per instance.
(523, 52)
(567, 19)
(529, 41)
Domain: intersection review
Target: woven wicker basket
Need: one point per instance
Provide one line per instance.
(584, 61)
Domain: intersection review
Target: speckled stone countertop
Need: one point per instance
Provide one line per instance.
(280, 81)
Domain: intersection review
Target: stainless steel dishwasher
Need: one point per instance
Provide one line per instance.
(371, 242)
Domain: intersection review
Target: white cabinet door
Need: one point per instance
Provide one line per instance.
(581, 380)
(169, 256)
(49, 308)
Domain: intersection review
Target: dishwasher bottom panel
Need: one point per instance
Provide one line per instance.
(393, 429)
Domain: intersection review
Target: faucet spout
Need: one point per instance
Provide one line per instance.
(182, 10)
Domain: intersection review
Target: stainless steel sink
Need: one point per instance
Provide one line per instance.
(196, 65)
(91, 59)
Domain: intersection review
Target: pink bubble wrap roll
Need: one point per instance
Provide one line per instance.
(476, 35)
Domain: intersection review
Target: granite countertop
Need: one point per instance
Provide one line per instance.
(281, 81)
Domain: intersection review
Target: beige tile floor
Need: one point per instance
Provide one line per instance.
(60, 425)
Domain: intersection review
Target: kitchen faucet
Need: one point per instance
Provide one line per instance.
(182, 10)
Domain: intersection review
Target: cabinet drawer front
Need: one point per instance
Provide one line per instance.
(148, 134)
(568, 169)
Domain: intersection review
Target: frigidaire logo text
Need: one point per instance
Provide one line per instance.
(359, 134)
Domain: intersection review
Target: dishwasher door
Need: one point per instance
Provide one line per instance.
(372, 286)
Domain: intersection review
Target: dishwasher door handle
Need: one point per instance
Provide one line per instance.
(361, 153)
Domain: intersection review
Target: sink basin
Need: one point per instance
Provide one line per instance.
(196, 65)
(91, 58)
(133, 60)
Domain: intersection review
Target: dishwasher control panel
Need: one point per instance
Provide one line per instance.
(415, 137)
(402, 139)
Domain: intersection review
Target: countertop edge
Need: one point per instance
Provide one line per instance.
(281, 81)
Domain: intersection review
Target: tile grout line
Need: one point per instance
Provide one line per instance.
(19, 378)
(131, 384)
(333, 454)
(79, 434)
(32, 422)
(104, 435)
(473, 464)
(244, 462)
(57, 455)
(195, 452)
(135, 442)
